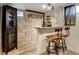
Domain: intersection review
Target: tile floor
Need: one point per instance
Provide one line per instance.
(32, 52)
(60, 53)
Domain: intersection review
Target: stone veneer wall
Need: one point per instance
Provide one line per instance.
(27, 31)
(23, 42)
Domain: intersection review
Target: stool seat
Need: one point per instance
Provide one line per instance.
(52, 38)
(56, 36)
(61, 35)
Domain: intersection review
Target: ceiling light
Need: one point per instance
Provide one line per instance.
(49, 8)
(43, 6)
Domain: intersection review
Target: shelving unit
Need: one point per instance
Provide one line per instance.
(9, 28)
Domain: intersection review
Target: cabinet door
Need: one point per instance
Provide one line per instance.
(11, 22)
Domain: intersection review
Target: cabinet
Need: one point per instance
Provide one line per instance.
(9, 28)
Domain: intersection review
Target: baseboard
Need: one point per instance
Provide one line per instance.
(76, 53)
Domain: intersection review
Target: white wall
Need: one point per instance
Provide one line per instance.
(73, 40)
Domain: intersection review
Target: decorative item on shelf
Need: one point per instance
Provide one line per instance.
(48, 22)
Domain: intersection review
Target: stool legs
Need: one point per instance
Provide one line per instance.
(63, 46)
(48, 48)
(56, 48)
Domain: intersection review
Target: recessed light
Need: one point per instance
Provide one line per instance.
(43, 6)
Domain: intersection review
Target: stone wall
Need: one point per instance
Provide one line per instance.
(27, 31)
(23, 41)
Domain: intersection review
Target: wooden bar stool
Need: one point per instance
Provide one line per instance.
(54, 39)
(67, 29)
(63, 45)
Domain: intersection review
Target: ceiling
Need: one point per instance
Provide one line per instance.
(35, 6)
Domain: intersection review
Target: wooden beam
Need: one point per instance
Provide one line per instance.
(34, 11)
